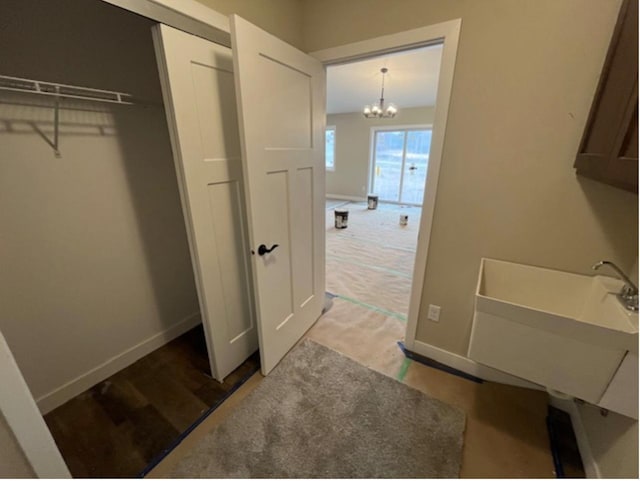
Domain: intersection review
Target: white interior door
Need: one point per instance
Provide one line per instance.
(199, 97)
(281, 103)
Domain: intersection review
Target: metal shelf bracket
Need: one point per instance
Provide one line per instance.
(59, 92)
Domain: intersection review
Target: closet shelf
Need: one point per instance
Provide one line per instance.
(62, 91)
(39, 87)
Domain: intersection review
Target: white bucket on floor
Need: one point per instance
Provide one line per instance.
(342, 218)
(404, 219)
(372, 202)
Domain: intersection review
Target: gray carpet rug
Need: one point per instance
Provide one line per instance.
(321, 415)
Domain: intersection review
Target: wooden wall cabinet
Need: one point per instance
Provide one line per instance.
(609, 148)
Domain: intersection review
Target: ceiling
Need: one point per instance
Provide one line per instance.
(411, 81)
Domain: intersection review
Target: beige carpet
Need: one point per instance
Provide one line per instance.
(321, 415)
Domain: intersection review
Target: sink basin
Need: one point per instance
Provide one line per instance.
(564, 331)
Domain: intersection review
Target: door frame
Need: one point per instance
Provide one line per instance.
(445, 33)
(21, 413)
(372, 152)
(192, 17)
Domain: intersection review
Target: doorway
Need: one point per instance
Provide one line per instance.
(448, 30)
(370, 263)
(447, 35)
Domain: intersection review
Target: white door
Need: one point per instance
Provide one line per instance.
(281, 103)
(199, 97)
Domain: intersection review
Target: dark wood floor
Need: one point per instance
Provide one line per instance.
(121, 424)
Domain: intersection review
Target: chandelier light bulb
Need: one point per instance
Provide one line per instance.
(378, 110)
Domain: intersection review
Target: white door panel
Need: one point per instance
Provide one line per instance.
(199, 95)
(281, 104)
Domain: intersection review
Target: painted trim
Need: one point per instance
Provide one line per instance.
(23, 417)
(402, 127)
(69, 390)
(448, 34)
(591, 468)
(445, 85)
(395, 42)
(346, 197)
(469, 366)
(189, 16)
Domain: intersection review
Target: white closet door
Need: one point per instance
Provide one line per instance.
(199, 97)
(281, 101)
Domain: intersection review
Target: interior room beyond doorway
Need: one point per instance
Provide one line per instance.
(380, 115)
(370, 264)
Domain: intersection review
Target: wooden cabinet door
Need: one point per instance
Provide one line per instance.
(609, 148)
(622, 168)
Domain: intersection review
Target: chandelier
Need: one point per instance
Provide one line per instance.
(379, 110)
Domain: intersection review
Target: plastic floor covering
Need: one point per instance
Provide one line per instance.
(369, 269)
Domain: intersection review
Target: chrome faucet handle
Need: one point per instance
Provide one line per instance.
(628, 295)
(632, 288)
(629, 298)
(628, 291)
(632, 303)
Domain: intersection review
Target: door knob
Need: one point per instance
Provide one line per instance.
(262, 249)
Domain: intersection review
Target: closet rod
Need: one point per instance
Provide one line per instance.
(61, 91)
(40, 87)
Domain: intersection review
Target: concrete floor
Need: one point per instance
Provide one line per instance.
(506, 435)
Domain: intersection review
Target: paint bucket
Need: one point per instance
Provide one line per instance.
(342, 217)
(404, 219)
(372, 202)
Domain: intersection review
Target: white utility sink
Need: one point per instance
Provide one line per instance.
(564, 331)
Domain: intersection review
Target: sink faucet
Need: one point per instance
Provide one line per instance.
(628, 296)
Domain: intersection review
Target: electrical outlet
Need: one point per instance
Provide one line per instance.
(434, 313)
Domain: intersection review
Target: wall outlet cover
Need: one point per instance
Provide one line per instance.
(434, 313)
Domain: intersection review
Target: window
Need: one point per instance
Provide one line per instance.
(330, 148)
(400, 162)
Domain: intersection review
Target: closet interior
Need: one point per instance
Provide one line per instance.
(98, 300)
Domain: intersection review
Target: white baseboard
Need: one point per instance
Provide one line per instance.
(346, 197)
(69, 390)
(469, 366)
(591, 468)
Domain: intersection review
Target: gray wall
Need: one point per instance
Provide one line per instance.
(525, 77)
(353, 146)
(526, 73)
(93, 246)
(613, 440)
